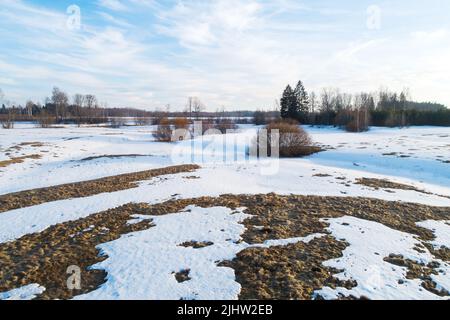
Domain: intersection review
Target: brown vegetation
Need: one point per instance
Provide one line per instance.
(45, 120)
(84, 189)
(291, 272)
(293, 140)
(163, 132)
(15, 160)
(8, 121)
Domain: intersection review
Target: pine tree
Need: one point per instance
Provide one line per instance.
(288, 104)
(302, 102)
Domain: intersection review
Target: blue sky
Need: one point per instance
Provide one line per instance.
(230, 53)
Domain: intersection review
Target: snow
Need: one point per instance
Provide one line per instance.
(241, 176)
(427, 147)
(142, 265)
(420, 153)
(363, 261)
(28, 292)
(415, 156)
(214, 181)
(286, 242)
(441, 230)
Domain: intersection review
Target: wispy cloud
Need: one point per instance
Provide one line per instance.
(115, 5)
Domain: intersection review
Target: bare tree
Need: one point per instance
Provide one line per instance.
(312, 102)
(197, 107)
(326, 106)
(29, 107)
(78, 103)
(91, 101)
(60, 101)
(79, 100)
(189, 106)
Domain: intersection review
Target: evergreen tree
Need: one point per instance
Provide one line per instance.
(302, 102)
(289, 105)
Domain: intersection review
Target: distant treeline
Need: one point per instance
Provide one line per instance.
(354, 112)
(85, 109)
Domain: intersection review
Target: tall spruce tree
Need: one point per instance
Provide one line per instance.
(302, 102)
(289, 105)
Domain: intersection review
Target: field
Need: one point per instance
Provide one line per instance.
(367, 218)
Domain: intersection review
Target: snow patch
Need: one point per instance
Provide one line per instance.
(363, 261)
(441, 230)
(142, 265)
(28, 292)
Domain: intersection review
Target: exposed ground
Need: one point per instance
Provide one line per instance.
(386, 184)
(15, 160)
(84, 189)
(286, 272)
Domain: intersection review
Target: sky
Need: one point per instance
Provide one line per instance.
(232, 54)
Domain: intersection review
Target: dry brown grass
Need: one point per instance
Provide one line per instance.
(291, 272)
(16, 160)
(386, 184)
(44, 257)
(85, 189)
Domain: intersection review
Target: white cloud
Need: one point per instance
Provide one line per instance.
(434, 35)
(115, 5)
(232, 53)
(111, 19)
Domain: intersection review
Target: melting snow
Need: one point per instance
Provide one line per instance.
(363, 261)
(441, 230)
(142, 265)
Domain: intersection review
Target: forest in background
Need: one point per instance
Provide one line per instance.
(353, 112)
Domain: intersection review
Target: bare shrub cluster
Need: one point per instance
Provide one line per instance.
(45, 120)
(163, 132)
(116, 122)
(8, 121)
(293, 140)
(166, 127)
(143, 121)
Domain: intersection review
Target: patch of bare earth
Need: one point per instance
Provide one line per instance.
(290, 272)
(44, 257)
(386, 184)
(196, 245)
(15, 160)
(85, 189)
(419, 271)
(182, 276)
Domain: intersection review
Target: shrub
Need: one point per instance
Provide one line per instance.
(163, 132)
(142, 121)
(181, 123)
(294, 141)
(259, 118)
(225, 124)
(207, 124)
(116, 123)
(45, 120)
(8, 121)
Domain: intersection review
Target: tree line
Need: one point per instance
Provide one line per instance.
(356, 112)
(60, 108)
(330, 106)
